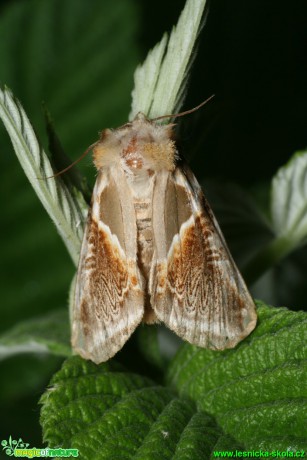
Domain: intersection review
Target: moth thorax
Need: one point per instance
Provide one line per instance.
(132, 157)
(134, 161)
(147, 154)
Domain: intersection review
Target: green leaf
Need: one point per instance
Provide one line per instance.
(160, 81)
(289, 201)
(257, 391)
(108, 413)
(288, 214)
(24, 376)
(49, 333)
(69, 56)
(67, 212)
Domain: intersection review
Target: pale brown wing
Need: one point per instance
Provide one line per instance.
(109, 300)
(196, 288)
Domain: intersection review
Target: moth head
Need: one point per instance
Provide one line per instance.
(139, 145)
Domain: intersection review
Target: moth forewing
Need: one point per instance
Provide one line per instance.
(153, 251)
(196, 288)
(109, 299)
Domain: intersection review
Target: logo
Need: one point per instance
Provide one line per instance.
(19, 448)
(10, 445)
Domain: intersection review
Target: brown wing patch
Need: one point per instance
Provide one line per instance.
(109, 275)
(85, 316)
(188, 266)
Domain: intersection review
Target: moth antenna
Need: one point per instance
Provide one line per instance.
(72, 164)
(186, 112)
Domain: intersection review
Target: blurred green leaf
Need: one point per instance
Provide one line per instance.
(107, 413)
(289, 201)
(257, 391)
(23, 379)
(26, 375)
(77, 56)
(288, 215)
(49, 334)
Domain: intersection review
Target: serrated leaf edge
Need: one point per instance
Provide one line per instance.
(160, 81)
(66, 211)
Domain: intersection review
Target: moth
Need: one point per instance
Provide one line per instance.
(153, 251)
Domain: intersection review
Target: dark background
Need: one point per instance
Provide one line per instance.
(79, 57)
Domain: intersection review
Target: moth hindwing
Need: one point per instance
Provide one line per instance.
(153, 251)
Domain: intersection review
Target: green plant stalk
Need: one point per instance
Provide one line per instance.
(267, 258)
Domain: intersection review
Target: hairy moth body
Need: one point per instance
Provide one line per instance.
(153, 251)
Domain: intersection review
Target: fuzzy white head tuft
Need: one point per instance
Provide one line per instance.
(141, 144)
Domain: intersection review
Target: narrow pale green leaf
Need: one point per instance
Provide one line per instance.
(66, 211)
(107, 413)
(289, 200)
(160, 81)
(145, 79)
(257, 392)
(288, 215)
(49, 334)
